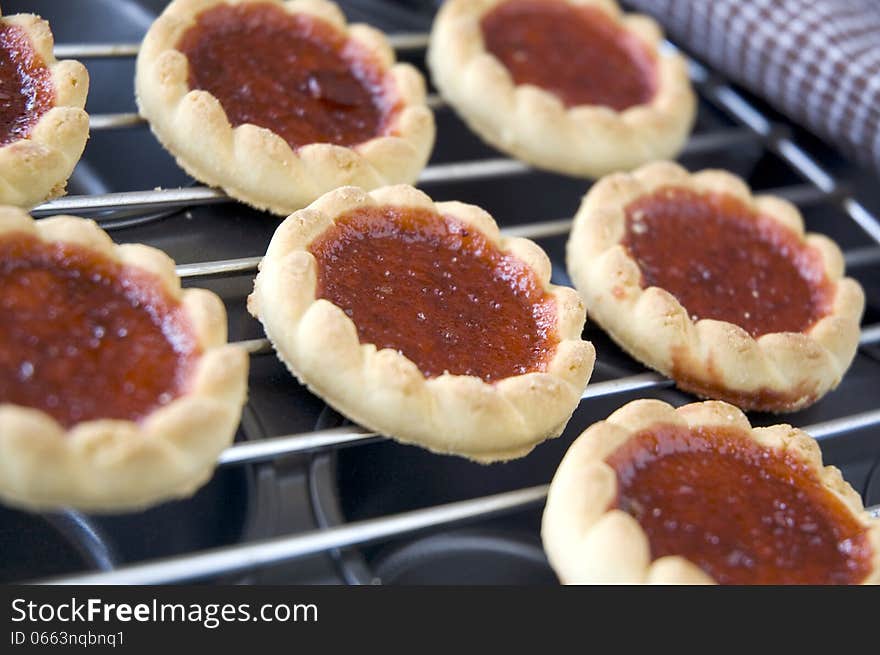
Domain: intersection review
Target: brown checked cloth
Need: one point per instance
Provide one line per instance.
(817, 61)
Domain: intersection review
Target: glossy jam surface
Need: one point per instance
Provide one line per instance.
(293, 74)
(577, 53)
(26, 90)
(437, 291)
(723, 262)
(85, 338)
(743, 513)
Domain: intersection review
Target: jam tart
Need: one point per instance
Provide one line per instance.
(117, 387)
(572, 86)
(696, 495)
(43, 126)
(718, 289)
(279, 102)
(420, 321)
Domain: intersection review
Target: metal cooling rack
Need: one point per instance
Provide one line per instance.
(752, 126)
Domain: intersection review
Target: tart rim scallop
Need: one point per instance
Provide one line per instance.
(37, 167)
(714, 355)
(385, 391)
(533, 125)
(254, 164)
(587, 542)
(108, 464)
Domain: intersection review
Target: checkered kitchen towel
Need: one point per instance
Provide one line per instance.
(818, 61)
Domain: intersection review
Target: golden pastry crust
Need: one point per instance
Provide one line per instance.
(36, 168)
(777, 372)
(533, 125)
(113, 465)
(588, 543)
(384, 390)
(253, 164)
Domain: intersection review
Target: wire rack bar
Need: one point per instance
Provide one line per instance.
(239, 558)
(264, 450)
(435, 101)
(201, 195)
(436, 173)
(407, 41)
(252, 452)
(220, 267)
(148, 200)
(256, 346)
(234, 559)
(402, 42)
(793, 154)
(539, 230)
(866, 220)
(870, 335)
(479, 169)
(322, 440)
(96, 50)
(114, 121)
(838, 426)
(867, 256)
(628, 384)
(535, 230)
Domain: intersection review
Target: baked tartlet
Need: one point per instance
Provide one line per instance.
(117, 387)
(421, 322)
(43, 127)
(696, 495)
(279, 102)
(718, 289)
(573, 86)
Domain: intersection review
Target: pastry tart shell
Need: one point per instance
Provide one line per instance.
(385, 391)
(36, 168)
(533, 124)
(254, 164)
(588, 543)
(777, 372)
(113, 465)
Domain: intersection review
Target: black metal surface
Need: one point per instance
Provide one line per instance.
(306, 492)
(35, 545)
(466, 557)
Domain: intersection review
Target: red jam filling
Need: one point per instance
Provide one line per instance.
(83, 337)
(291, 73)
(743, 513)
(437, 291)
(26, 90)
(724, 262)
(577, 53)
